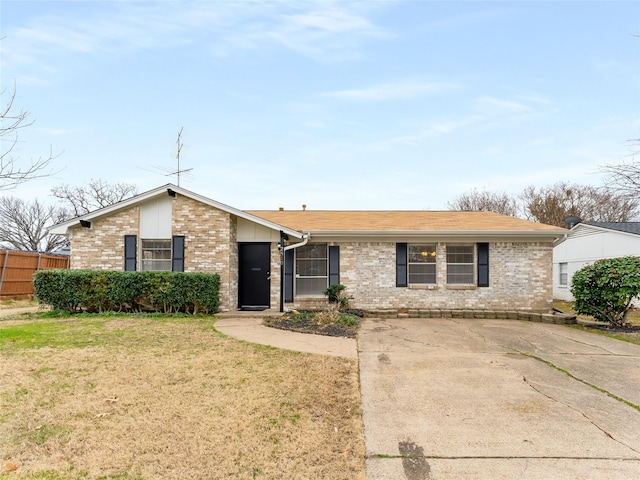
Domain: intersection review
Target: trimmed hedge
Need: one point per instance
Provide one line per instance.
(101, 291)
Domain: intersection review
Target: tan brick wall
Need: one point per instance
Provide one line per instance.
(210, 244)
(276, 274)
(101, 247)
(520, 279)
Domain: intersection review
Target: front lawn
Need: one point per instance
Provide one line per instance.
(130, 397)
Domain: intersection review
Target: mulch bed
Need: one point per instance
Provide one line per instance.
(614, 329)
(309, 325)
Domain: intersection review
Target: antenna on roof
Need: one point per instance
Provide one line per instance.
(178, 171)
(171, 171)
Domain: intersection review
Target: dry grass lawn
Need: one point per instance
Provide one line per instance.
(147, 398)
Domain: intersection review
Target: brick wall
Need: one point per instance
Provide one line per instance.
(210, 244)
(276, 274)
(101, 247)
(520, 279)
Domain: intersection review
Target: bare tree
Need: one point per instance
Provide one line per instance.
(95, 195)
(23, 225)
(475, 200)
(624, 178)
(12, 171)
(551, 205)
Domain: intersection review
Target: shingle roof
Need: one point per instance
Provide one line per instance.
(628, 227)
(389, 221)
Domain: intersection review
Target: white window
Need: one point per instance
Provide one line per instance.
(422, 264)
(563, 273)
(460, 264)
(156, 255)
(311, 269)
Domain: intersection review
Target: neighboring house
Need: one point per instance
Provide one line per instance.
(285, 259)
(587, 242)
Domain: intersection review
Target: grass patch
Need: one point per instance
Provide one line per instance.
(124, 397)
(17, 303)
(631, 335)
(41, 434)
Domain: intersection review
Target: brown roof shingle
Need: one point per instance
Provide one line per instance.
(389, 221)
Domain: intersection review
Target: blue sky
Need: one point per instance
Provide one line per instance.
(337, 105)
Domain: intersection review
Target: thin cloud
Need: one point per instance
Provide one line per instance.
(494, 106)
(333, 32)
(401, 90)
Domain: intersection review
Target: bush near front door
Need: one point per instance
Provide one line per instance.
(78, 291)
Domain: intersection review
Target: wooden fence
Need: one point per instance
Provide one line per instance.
(17, 269)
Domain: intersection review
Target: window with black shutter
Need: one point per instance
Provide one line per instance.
(401, 264)
(334, 265)
(483, 264)
(177, 253)
(130, 253)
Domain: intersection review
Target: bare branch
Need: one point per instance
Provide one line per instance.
(551, 205)
(624, 177)
(95, 195)
(12, 172)
(475, 200)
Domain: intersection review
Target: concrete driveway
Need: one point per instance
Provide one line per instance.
(497, 399)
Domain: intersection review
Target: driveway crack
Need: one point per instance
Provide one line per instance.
(570, 375)
(583, 343)
(591, 421)
(470, 330)
(426, 344)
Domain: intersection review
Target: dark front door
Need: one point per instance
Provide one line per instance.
(254, 284)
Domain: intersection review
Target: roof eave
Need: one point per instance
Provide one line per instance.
(63, 228)
(438, 233)
(601, 228)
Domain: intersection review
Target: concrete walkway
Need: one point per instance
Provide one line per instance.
(248, 326)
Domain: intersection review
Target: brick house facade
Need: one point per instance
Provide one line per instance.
(285, 259)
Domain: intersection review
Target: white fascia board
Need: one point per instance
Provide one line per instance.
(63, 228)
(476, 235)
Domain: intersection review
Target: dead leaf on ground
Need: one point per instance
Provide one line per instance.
(10, 466)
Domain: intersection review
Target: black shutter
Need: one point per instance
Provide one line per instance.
(288, 275)
(130, 252)
(483, 264)
(334, 265)
(401, 264)
(177, 253)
